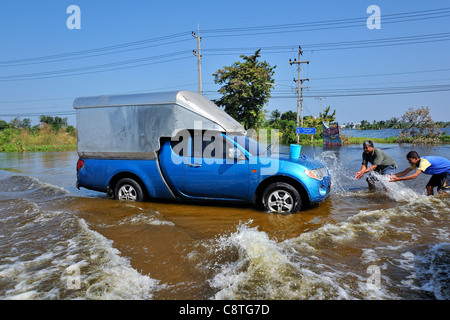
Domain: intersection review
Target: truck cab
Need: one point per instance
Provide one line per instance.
(181, 146)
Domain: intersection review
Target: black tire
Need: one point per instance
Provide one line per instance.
(128, 190)
(281, 197)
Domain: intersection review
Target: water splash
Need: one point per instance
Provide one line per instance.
(145, 219)
(262, 268)
(396, 190)
(341, 178)
(35, 266)
(331, 262)
(433, 268)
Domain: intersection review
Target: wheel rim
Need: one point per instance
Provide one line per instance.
(127, 192)
(280, 201)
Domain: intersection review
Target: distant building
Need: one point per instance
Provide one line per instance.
(350, 126)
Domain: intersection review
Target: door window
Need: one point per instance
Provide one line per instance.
(213, 146)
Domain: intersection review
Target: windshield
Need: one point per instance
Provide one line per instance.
(252, 146)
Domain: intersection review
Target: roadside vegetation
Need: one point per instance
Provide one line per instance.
(416, 126)
(246, 87)
(52, 134)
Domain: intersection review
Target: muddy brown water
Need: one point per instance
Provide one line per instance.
(57, 242)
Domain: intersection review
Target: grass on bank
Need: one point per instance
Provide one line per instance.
(45, 138)
(346, 140)
(444, 139)
(306, 140)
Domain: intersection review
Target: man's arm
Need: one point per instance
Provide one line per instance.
(401, 175)
(364, 170)
(360, 173)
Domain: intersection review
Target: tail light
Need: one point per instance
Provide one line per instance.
(80, 164)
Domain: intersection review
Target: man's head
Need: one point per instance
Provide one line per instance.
(368, 146)
(413, 158)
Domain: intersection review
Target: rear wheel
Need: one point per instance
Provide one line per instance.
(281, 197)
(129, 190)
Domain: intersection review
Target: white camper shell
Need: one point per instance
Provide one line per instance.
(130, 126)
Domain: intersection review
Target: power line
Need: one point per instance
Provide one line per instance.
(341, 45)
(421, 13)
(328, 93)
(276, 88)
(93, 52)
(274, 49)
(353, 92)
(177, 38)
(379, 74)
(35, 100)
(387, 18)
(100, 68)
(72, 98)
(327, 24)
(369, 92)
(37, 114)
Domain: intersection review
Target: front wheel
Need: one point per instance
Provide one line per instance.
(129, 190)
(281, 197)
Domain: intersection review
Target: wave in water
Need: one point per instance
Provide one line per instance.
(400, 252)
(405, 246)
(52, 254)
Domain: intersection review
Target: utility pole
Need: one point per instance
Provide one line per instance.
(320, 107)
(199, 58)
(299, 88)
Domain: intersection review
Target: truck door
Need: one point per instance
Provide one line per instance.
(216, 168)
(173, 160)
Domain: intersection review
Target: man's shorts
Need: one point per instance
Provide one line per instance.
(441, 181)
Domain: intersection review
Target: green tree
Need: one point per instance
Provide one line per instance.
(246, 89)
(55, 122)
(19, 124)
(326, 116)
(289, 115)
(394, 123)
(3, 124)
(364, 124)
(275, 117)
(288, 123)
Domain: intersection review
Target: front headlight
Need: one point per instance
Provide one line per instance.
(318, 173)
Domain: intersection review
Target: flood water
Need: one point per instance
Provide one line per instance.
(58, 242)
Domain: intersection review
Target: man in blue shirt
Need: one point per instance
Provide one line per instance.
(438, 167)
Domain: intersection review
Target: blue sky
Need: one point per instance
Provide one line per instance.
(145, 46)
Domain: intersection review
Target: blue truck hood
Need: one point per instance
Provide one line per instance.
(303, 160)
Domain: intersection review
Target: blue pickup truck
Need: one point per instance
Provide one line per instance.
(181, 146)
